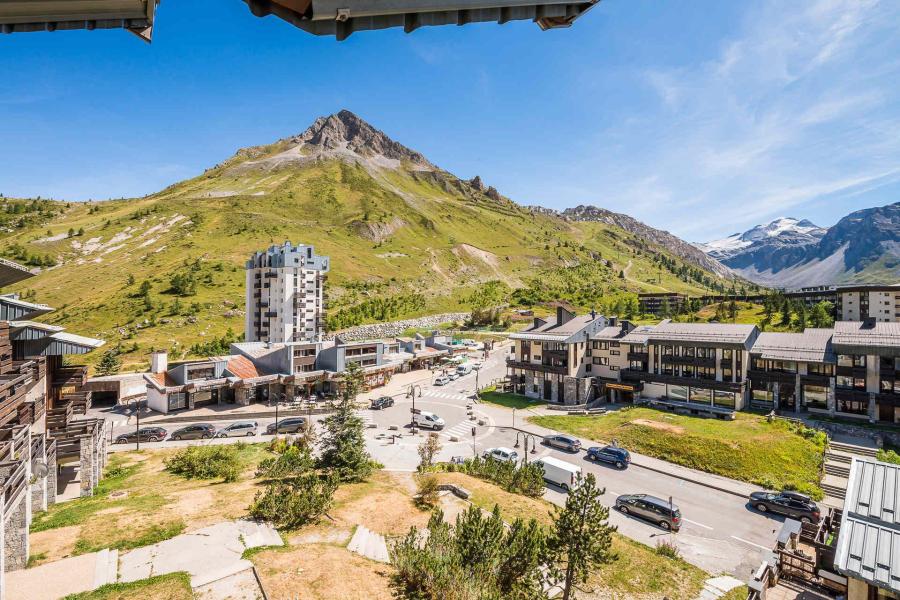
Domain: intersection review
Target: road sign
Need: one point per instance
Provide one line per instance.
(416, 411)
(473, 432)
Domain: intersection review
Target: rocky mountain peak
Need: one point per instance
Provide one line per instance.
(346, 131)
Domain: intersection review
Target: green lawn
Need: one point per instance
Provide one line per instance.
(774, 454)
(509, 400)
(174, 586)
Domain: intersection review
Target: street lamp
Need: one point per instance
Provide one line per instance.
(411, 393)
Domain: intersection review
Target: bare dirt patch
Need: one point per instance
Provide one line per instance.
(383, 505)
(671, 428)
(319, 572)
(54, 543)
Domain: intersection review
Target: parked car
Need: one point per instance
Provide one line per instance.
(563, 442)
(381, 403)
(452, 375)
(620, 457)
(502, 454)
(200, 431)
(441, 380)
(238, 429)
(559, 472)
(477, 366)
(146, 434)
(790, 504)
(463, 369)
(428, 420)
(289, 425)
(650, 508)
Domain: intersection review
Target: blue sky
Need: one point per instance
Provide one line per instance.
(700, 117)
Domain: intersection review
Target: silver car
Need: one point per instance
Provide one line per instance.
(239, 429)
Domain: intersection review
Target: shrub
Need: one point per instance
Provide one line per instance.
(427, 485)
(294, 461)
(206, 462)
(292, 503)
(668, 548)
(526, 479)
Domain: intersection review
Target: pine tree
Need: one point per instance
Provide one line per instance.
(109, 363)
(343, 444)
(581, 539)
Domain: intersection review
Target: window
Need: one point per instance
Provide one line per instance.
(177, 401)
(613, 368)
(203, 372)
(707, 373)
(853, 407)
(851, 360)
(614, 344)
(724, 399)
(604, 345)
(701, 395)
(850, 383)
(815, 396)
(679, 393)
(762, 396)
(601, 361)
(688, 351)
(614, 353)
(820, 369)
(727, 354)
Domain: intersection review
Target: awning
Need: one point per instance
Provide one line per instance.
(625, 387)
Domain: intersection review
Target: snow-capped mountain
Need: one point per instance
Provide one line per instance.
(785, 229)
(864, 246)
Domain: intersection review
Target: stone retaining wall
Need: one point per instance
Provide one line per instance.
(396, 328)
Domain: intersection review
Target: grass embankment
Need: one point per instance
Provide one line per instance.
(138, 503)
(516, 401)
(174, 586)
(774, 454)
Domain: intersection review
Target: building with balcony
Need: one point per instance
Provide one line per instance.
(699, 364)
(609, 354)
(285, 292)
(867, 375)
(790, 372)
(862, 302)
(548, 360)
(665, 303)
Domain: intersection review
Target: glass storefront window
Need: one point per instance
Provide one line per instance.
(763, 396)
(853, 407)
(678, 393)
(724, 399)
(701, 395)
(815, 396)
(177, 401)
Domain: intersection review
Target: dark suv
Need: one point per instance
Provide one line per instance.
(146, 434)
(790, 504)
(289, 425)
(200, 431)
(651, 508)
(381, 403)
(620, 457)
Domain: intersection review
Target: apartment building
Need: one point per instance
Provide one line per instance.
(790, 372)
(704, 364)
(548, 360)
(862, 302)
(285, 295)
(867, 382)
(616, 347)
(654, 303)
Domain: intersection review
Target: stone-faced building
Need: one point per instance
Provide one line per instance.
(548, 360)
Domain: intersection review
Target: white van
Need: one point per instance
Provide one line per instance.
(428, 420)
(464, 369)
(560, 472)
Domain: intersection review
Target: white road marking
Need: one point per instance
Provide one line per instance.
(698, 524)
(750, 543)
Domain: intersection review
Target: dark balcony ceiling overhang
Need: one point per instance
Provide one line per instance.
(135, 16)
(11, 272)
(341, 18)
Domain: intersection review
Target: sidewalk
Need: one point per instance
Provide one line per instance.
(503, 418)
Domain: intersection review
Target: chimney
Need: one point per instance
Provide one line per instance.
(613, 321)
(562, 316)
(159, 361)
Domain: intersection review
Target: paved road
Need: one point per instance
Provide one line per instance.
(720, 534)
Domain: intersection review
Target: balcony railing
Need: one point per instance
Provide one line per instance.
(639, 356)
(516, 364)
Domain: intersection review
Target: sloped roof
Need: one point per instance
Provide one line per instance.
(241, 366)
(813, 345)
(705, 333)
(550, 331)
(857, 337)
(612, 332)
(868, 545)
(638, 335)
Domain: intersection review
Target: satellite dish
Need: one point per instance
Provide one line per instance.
(39, 469)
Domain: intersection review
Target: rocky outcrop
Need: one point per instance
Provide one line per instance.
(394, 328)
(673, 244)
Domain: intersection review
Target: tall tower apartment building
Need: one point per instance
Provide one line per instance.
(285, 295)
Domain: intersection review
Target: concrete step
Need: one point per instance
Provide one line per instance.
(358, 540)
(869, 451)
(838, 469)
(838, 456)
(837, 492)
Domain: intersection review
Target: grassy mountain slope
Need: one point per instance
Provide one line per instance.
(403, 242)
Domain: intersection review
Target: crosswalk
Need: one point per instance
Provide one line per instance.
(462, 431)
(446, 395)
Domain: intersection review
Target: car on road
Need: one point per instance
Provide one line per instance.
(463, 369)
(428, 420)
(477, 366)
(790, 504)
(452, 375)
(198, 431)
(145, 434)
(289, 425)
(238, 429)
(563, 442)
(381, 403)
(620, 457)
(502, 454)
(441, 380)
(650, 508)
